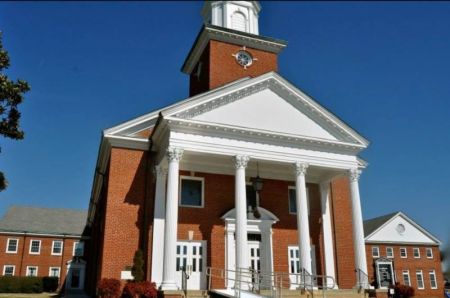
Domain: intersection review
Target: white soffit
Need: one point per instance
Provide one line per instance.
(401, 229)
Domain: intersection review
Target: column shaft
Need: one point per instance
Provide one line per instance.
(327, 230)
(241, 213)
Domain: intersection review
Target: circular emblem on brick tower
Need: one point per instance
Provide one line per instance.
(244, 58)
(400, 229)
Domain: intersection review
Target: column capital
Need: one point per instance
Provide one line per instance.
(241, 161)
(354, 174)
(160, 171)
(174, 153)
(300, 168)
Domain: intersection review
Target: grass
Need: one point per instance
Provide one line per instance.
(19, 295)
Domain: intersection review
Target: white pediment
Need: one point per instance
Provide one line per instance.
(266, 110)
(401, 229)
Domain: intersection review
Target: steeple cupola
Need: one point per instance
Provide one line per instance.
(236, 15)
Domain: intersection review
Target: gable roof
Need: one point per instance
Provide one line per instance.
(374, 225)
(35, 220)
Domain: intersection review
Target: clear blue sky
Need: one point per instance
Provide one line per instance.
(382, 67)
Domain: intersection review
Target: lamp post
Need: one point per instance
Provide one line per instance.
(257, 183)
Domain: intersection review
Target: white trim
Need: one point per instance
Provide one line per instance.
(416, 249)
(307, 200)
(430, 273)
(202, 179)
(14, 269)
(420, 273)
(31, 244)
(429, 249)
(406, 252)
(406, 272)
(377, 250)
(53, 247)
(42, 234)
(391, 249)
(50, 271)
(7, 245)
(37, 270)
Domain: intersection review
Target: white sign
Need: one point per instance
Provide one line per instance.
(126, 275)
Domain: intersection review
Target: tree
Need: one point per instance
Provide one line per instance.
(11, 95)
(138, 266)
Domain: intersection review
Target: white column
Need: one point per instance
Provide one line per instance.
(158, 225)
(302, 216)
(241, 212)
(170, 228)
(358, 228)
(327, 230)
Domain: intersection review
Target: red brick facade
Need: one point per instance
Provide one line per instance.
(43, 261)
(411, 264)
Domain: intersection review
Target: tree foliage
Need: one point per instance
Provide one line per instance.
(11, 96)
(138, 266)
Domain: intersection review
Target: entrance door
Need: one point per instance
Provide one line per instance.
(294, 265)
(385, 273)
(254, 250)
(75, 276)
(190, 255)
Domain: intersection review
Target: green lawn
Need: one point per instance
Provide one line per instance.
(42, 295)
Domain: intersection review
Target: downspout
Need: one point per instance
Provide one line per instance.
(23, 252)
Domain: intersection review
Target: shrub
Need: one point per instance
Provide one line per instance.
(138, 266)
(143, 289)
(403, 291)
(108, 288)
(20, 284)
(50, 283)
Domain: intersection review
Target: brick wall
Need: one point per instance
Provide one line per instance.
(412, 264)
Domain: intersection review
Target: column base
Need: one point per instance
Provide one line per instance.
(169, 286)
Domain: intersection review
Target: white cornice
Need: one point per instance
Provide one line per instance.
(42, 234)
(128, 142)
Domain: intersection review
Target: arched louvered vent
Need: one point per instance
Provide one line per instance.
(239, 22)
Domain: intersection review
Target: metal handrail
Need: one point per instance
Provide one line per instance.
(362, 279)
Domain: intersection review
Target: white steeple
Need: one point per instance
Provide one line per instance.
(236, 15)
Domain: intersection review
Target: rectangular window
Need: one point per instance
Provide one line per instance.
(250, 195)
(32, 270)
(406, 279)
(429, 252)
(389, 252)
(416, 252)
(433, 282)
(8, 270)
(294, 260)
(293, 199)
(403, 253)
(191, 191)
(11, 245)
(53, 271)
(78, 249)
(419, 277)
(57, 246)
(375, 252)
(35, 247)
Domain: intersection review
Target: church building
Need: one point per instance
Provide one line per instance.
(248, 173)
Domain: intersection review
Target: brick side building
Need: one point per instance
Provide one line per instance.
(43, 242)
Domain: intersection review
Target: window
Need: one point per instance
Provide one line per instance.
(293, 199)
(54, 271)
(429, 252)
(375, 252)
(8, 270)
(35, 247)
(78, 249)
(191, 191)
(294, 259)
(389, 252)
(403, 253)
(433, 282)
(416, 252)
(57, 246)
(419, 277)
(11, 246)
(32, 270)
(250, 195)
(406, 279)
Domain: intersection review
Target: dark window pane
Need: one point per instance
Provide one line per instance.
(200, 250)
(251, 196)
(191, 192)
(185, 250)
(292, 206)
(200, 263)
(178, 249)
(178, 264)
(194, 265)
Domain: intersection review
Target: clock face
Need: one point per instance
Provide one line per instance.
(244, 58)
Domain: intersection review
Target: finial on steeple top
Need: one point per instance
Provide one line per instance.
(236, 15)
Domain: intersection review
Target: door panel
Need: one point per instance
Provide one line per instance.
(190, 255)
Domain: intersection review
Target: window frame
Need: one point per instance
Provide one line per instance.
(420, 273)
(430, 273)
(295, 258)
(184, 177)
(416, 249)
(308, 205)
(391, 249)
(13, 267)
(406, 252)
(429, 249)
(53, 247)
(54, 267)
(74, 248)
(378, 251)
(7, 246)
(28, 268)
(31, 245)
(406, 272)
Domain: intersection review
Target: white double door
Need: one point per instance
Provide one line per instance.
(191, 255)
(294, 265)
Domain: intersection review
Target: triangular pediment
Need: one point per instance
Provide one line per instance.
(401, 229)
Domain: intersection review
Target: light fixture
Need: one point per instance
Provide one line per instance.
(190, 235)
(257, 181)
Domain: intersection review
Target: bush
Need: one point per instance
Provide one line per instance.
(403, 291)
(138, 266)
(21, 284)
(144, 289)
(50, 283)
(108, 288)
